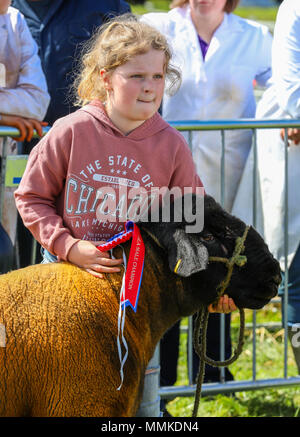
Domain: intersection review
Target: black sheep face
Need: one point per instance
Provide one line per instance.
(251, 285)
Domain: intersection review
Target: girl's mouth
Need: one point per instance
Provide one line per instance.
(145, 101)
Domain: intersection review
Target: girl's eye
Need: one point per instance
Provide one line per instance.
(140, 76)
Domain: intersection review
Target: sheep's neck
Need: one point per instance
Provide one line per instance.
(162, 288)
(158, 307)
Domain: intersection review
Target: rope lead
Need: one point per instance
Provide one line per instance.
(199, 338)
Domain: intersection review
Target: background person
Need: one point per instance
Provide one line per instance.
(219, 55)
(59, 27)
(281, 100)
(23, 92)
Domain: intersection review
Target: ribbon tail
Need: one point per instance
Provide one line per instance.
(121, 325)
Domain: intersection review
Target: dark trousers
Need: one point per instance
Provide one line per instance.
(6, 252)
(25, 241)
(169, 349)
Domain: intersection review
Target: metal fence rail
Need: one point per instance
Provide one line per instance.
(222, 126)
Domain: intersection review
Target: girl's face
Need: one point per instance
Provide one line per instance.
(135, 90)
(4, 4)
(207, 7)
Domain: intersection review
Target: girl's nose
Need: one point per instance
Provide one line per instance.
(147, 86)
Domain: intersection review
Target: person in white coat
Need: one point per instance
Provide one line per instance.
(217, 82)
(219, 55)
(24, 97)
(280, 101)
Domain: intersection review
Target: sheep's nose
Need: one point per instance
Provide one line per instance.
(274, 284)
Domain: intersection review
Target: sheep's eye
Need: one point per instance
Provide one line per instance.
(208, 237)
(228, 232)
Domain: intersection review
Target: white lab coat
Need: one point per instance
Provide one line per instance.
(23, 90)
(281, 100)
(219, 88)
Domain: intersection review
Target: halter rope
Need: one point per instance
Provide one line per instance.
(199, 338)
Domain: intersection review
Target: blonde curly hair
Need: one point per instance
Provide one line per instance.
(114, 44)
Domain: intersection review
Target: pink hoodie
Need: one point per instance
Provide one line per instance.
(85, 173)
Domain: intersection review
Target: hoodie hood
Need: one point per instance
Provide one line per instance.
(150, 127)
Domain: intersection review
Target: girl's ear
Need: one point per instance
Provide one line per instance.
(105, 76)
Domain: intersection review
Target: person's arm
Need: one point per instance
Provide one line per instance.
(25, 126)
(29, 98)
(39, 189)
(36, 199)
(286, 58)
(286, 65)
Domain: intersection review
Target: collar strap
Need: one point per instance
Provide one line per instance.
(134, 270)
(117, 239)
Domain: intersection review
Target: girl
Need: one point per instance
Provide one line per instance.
(75, 192)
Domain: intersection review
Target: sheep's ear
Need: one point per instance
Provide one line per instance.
(188, 256)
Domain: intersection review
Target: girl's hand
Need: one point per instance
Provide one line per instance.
(85, 254)
(225, 305)
(25, 126)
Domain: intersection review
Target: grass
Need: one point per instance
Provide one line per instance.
(260, 14)
(254, 13)
(272, 402)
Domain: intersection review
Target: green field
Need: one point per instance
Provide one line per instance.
(261, 14)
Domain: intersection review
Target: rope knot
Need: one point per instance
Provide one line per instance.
(236, 259)
(240, 260)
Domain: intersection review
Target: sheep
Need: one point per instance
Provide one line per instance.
(61, 358)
